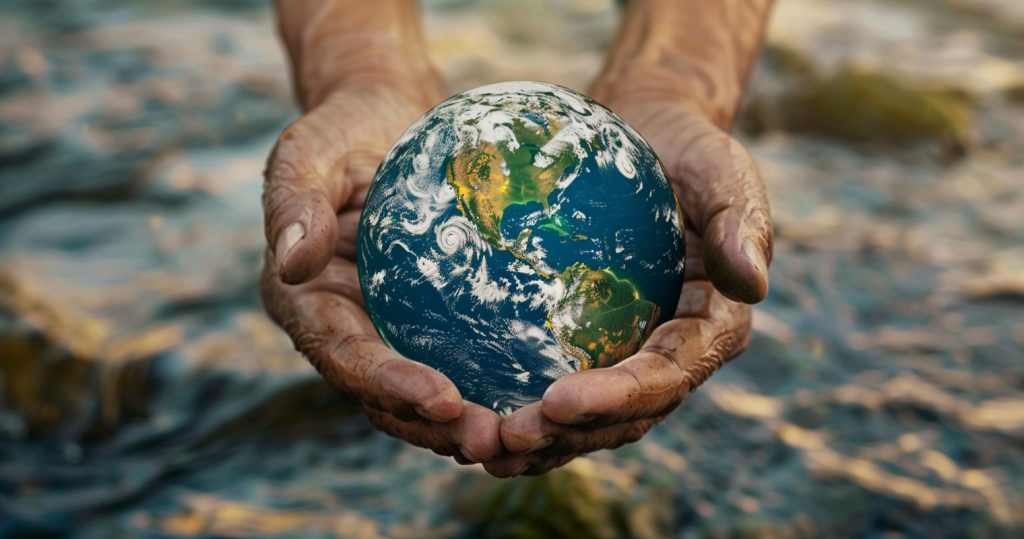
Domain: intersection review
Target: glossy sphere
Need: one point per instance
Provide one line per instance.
(516, 233)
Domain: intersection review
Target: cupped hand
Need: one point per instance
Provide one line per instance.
(316, 182)
(728, 250)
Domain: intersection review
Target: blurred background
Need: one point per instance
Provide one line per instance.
(143, 392)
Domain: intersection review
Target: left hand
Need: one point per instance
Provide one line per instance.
(728, 250)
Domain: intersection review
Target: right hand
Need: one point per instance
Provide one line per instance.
(316, 182)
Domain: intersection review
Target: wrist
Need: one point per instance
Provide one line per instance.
(690, 52)
(375, 69)
(355, 44)
(646, 85)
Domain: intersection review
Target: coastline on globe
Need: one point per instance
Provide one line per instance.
(516, 233)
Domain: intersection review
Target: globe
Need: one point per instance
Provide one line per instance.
(516, 233)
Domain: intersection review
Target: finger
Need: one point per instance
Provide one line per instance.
(471, 438)
(477, 433)
(348, 231)
(694, 263)
(359, 172)
(721, 193)
(508, 466)
(328, 324)
(529, 431)
(679, 356)
(585, 440)
(388, 381)
(303, 190)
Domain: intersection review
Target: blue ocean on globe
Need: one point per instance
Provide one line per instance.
(517, 233)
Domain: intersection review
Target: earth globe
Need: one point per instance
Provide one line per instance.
(516, 233)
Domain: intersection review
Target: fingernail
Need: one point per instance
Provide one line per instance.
(287, 240)
(470, 456)
(541, 444)
(429, 415)
(522, 470)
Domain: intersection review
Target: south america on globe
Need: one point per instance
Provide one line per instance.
(516, 233)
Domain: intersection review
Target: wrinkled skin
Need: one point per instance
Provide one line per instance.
(321, 167)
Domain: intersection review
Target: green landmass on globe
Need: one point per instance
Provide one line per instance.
(491, 177)
(602, 319)
(609, 319)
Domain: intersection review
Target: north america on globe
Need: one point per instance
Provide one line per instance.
(516, 233)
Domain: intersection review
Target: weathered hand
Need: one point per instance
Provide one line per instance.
(729, 247)
(316, 181)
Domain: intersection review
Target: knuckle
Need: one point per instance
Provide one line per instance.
(758, 212)
(663, 372)
(741, 160)
(287, 148)
(667, 388)
(702, 140)
(302, 155)
(666, 364)
(635, 432)
(662, 383)
(408, 432)
(351, 345)
(352, 363)
(317, 349)
(723, 347)
(309, 343)
(433, 440)
(609, 438)
(665, 355)
(362, 365)
(586, 441)
(569, 443)
(277, 196)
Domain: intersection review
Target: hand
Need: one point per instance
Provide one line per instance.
(728, 250)
(316, 181)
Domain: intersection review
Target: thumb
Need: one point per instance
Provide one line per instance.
(722, 194)
(303, 189)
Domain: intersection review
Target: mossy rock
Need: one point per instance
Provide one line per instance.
(861, 104)
(56, 394)
(564, 503)
(786, 59)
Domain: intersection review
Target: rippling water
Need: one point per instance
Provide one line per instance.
(143, 393)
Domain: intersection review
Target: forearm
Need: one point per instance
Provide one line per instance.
(697, 51)
(333, 43)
